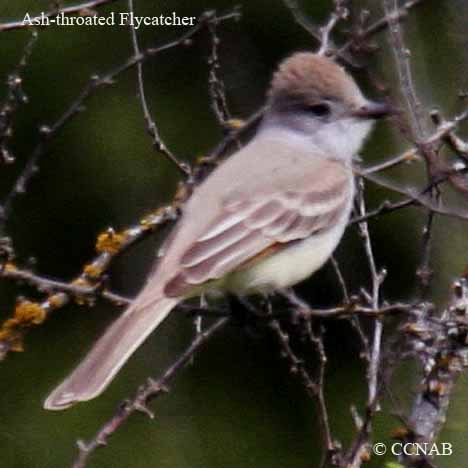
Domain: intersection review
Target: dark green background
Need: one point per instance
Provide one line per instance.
(236, 405)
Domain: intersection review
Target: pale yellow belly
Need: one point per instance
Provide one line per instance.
(288, 266)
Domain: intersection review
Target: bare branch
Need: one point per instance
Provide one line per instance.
(360, 447)
(151, 126)
(339, 13)
(147, 392)
(302, 19)
(402, 57)
(216, 84)
(406, 157)
(48, 132)
(14, 99)
(341, 280)
(362, 36)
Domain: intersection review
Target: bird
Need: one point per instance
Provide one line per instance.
(268, 217)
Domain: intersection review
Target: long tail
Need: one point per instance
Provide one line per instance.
(110, 353)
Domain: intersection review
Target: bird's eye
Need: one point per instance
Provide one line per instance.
(320, 110)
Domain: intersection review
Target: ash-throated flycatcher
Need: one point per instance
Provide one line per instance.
(265, 219)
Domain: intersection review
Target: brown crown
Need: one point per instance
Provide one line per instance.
(309, 75)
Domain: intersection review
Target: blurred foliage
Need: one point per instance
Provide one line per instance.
(237, 405)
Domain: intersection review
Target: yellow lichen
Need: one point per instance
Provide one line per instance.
(57, 300)
(28, 313)
(110, 242)
(81, 282)
(148, 221)
(92, 270)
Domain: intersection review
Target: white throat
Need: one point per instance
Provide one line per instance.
(341, 139)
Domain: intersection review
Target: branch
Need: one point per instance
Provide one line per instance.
(15, 97)
(313, 387)
(302, 20)
(151, 126)
(339, 13)
(435, 166)
(360, 37)
(96, 82)
(50, 286)
(407, 157)
(216, 85)
(440, 345)
(110, 244)
(360, 447)
(146, 393)
(402, 58)
(84, 288)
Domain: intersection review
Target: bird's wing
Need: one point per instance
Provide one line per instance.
(248, 224)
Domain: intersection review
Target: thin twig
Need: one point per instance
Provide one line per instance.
(361, 442)
(14, 99)
(302, 19)
(341, 280)
(146, 393)
(363, 36)
(376, 278)
(419, 134)
(51, 286)
(151, 126)
(216, 85)
(414, 197)
(402, 58)
(339, 13)
(96, 82)
(331, 448)
(406, 157)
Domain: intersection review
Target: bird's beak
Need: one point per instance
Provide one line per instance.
(374, 110)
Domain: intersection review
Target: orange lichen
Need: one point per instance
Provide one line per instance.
(149, 221)
(81, 282)
(57, 300)
(92, 271)
(110, 242)
(29, 313)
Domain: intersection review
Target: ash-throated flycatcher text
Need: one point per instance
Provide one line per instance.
(268, 217)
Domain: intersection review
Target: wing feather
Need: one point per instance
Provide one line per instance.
(247, 226)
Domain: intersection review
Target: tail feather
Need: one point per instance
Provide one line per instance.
(110, 353)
